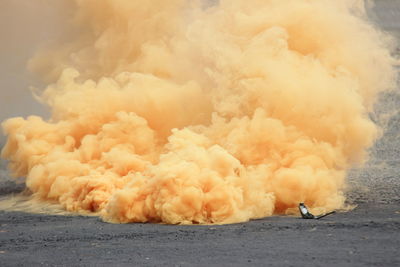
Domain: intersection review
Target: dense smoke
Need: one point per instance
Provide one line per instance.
(181, 112)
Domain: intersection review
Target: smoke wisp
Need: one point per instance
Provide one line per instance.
(180, 112)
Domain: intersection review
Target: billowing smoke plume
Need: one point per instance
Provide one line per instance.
(181, 112)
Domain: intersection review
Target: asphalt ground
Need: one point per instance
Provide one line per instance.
(366, 236)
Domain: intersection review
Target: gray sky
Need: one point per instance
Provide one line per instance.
(25, 26)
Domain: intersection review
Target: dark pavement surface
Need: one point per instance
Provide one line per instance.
(367, 236)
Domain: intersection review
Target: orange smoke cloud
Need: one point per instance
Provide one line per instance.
(177, 112)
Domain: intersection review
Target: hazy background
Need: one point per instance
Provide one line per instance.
(25, 27)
